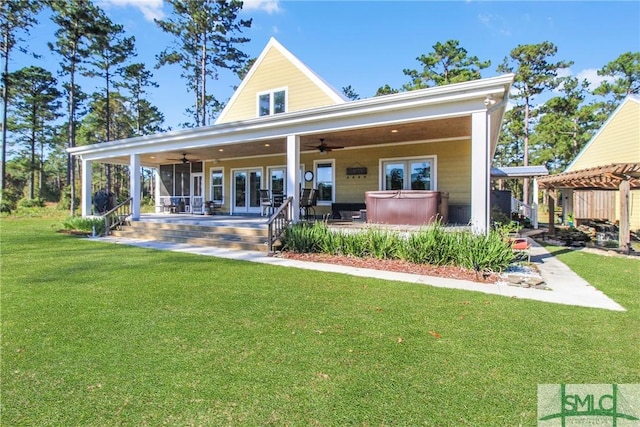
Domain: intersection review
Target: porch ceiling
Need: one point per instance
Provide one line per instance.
(456, 127)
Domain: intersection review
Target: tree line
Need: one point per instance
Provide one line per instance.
(47, 111)
(90, 47)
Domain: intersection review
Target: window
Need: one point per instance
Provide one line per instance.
(272, 102)
(277, 180)
(409, 174)
(325, 179)
(217, 185)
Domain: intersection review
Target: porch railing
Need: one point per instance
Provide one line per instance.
(117, 216)
(278, 222)
(525, 210)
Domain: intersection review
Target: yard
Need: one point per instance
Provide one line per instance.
(96, 334)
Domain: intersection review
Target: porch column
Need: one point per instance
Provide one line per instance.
(480, 164)
(135, 186)
(535, 204)
(156, 179)
(551, 202)
(87, 170)
(293, 174)
(623, 231)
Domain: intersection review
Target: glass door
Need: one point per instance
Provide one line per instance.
(197, 197)
(246, 191)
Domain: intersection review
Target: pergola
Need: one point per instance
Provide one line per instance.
(622, 177)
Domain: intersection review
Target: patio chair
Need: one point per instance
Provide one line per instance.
(521, 247)
(308, 201)
(266, 202)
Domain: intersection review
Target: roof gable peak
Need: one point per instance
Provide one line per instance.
(335, 95)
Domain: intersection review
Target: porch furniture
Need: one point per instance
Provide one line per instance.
(197, 206)
(406, 207)
(278, 199)
(351, 207)
(521, 247)
(211, 207)
(308, 201)
(266, 203)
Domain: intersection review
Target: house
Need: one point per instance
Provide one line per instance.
(603, 181)
(286, 129)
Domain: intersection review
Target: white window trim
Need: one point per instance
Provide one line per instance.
(434, 161)
(211, 170)
(333, 180)
(271, 100)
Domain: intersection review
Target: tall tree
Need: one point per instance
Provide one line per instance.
(136, 80)
(535, 72)
(76, 21)
(565, 125)
(624, 72)
(110, 50)
(448, 63)
(15, 16)
(350, 93)
(207, 33)
(36, 105)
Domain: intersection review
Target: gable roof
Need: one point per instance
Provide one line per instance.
(633, 99)
(336, 96)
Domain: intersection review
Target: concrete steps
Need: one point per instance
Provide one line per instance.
(230, 237)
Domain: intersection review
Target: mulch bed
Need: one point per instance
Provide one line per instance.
(450, 272)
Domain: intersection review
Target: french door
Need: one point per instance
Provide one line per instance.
(246, 190)
(197, 192)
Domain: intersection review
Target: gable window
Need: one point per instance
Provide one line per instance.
(325, 179)
(409, 174)
(273, 102)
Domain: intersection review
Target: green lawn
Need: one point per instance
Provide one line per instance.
(96, 334)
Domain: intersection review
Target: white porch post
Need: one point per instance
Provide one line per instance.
(293, 174)
(87, 170)
(156, 179)
(134, 185)
(535, 203)
(480, 165)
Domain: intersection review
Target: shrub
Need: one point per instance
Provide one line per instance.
(433, 245)
(85, 224)
(31, 203)
(305, 238)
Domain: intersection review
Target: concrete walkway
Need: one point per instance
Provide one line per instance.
(566, 287)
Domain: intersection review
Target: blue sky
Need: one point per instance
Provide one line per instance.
(367, 44)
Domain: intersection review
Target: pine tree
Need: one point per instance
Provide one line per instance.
(15, 16)
(36, 105)
(448, 63)
(624, 74)
(76, 21)
(136, 80)
(206, 44)
(534, 73)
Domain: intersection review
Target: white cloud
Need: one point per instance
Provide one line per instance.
(269, 6)
(151, 9)
(494, 23)
(591, 75)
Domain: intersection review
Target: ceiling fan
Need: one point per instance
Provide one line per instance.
(184, 159)
(325, 148)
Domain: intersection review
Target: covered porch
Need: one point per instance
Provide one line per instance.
(437, 139)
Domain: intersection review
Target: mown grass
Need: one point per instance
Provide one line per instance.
(96, 334)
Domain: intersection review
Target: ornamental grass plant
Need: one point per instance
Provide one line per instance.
(432, 245)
